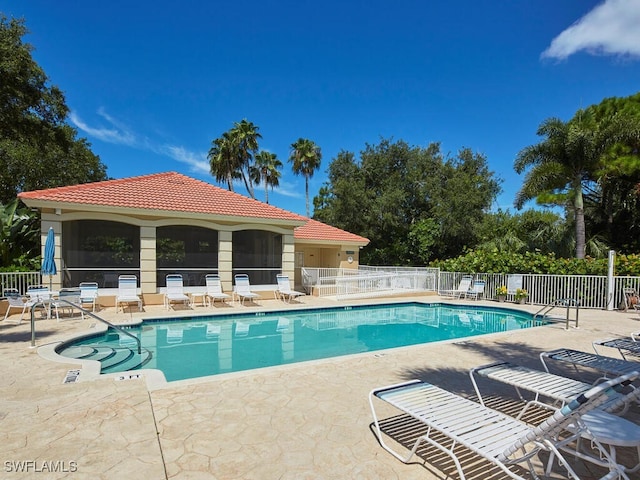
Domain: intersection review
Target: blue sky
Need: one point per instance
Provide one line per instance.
(151, 83)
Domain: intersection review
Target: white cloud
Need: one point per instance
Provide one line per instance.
(287, 189)
(116, 133)
(197, 161)
(611, 28)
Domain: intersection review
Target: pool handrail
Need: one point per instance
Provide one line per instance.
(84, 311)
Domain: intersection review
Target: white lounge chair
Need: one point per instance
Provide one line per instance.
(625, 347)
(16, 302)
(463, 288)
(243, 289)
(608, 366)
(127, 292)
(492, 435)
(603, 424)
(476, 291)
(214, 290)
(175, 292)
(89, 294)
(284, 291)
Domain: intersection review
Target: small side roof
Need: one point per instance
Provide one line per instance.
(314, 230)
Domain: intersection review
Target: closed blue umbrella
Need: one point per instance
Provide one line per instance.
(48, 262)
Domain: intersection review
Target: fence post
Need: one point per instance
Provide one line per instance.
(610, 280)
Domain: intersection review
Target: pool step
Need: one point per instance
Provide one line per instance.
(131, 361)
(112, 359)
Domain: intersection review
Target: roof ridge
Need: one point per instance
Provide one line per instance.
(111, 181)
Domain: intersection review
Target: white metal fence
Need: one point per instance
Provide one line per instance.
(591, 291)
(19, 280)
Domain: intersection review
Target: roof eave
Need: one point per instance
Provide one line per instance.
(324, 241)
(88, 207)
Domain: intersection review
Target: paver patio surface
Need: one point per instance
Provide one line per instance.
(301, 421)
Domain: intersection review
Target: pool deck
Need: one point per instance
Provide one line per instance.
(303, 421)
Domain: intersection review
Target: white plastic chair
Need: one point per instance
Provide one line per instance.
(128, 292)
(243, 288)
(492, 435)
(463, 288)
(175, 292)
(16, 302)
(214, 290)
(603, 423)
(476, 291)
(284, 289)
(89, 294)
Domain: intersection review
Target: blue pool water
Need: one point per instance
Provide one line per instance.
(201, 346)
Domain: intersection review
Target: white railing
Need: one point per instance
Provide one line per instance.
(368, 281)
(362, 286)
(591, 291)
(19, 280)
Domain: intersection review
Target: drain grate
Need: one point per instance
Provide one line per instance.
(71, 376)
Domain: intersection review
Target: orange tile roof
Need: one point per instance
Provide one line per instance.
(170, 191)
(174, 192)
(315, 230)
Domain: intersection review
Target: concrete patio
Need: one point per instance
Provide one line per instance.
(301, 421)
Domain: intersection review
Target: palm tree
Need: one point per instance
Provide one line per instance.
(266, 169)
(246, 137)
(230, 155)
(562, 166)
(305, 157)
(222, 160)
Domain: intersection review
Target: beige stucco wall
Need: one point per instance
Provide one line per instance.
(225, 259)
(148, 259)
(329, 256)
(315, 255)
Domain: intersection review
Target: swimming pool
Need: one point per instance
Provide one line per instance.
(200, 346)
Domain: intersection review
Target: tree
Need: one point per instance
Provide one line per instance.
(616, 200)
(246, 141)
(20, 233)
(561, 167)
(37, 148)
(412, 203)
(532, 230)
(222, 160)
(305, 157)
(591, 165)
(267, 169)
(231, 155)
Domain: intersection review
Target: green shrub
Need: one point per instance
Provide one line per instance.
(534, 262)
